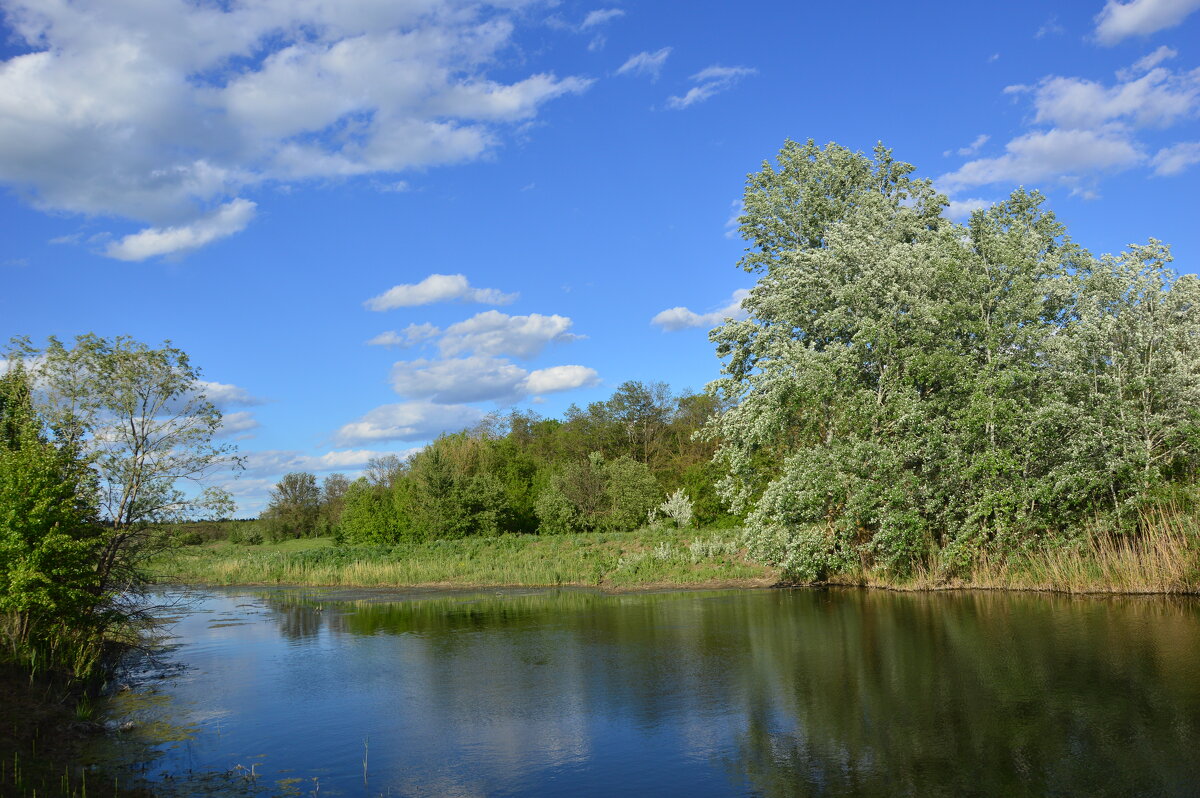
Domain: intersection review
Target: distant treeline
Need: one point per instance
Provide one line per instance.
(619, 464)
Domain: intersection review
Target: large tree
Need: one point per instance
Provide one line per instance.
(141, 419)
(907, 389)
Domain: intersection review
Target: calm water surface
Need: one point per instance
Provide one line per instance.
(772, 692)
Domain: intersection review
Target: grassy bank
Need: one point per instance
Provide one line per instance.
(630, 560)
(1164, 559)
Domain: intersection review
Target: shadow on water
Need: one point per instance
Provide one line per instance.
(773, 693)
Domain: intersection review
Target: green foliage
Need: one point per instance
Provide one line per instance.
(94, 439)
(295, 507)
(602, 469)
(52, 603)
(142, 417)
(631, 493)
(908, 391)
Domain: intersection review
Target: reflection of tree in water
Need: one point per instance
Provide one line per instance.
(976, 695)
(297, 619)
(817, 692)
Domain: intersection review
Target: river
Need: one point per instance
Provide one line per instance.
(707, 693)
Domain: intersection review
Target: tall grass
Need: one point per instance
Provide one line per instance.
(1162, 555)
(648, 557)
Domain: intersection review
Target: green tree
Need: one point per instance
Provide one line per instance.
(54, 608)
(139, 418)
(333, 499)
(294, 508)
(910, 390)
(374, 514)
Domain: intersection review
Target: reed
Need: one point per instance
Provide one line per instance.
(1161, 556)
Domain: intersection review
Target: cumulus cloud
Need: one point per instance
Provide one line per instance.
(230, 218)
(437, 288)
(559, 378)
(1158, 98)
(407, 421)
(710, 81)
(495, 333)
(157, 113)
(1117, 20)
(645, 64)
(480, 378)
(1044, 155)
(681, 318)
(411, 335)
(1175, 159)
(1089, 128)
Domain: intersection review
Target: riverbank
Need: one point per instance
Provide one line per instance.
(645, 559)
(43, 732)
(1168, 562)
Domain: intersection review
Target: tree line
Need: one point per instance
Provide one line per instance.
(616, 465)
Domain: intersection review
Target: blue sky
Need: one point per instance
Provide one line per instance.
(521, 202)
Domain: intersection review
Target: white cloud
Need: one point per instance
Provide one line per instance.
(975, 145)
(283, 461)
(960, 209)
(1119, 20)
(645, 63)
(1156, 99)
(238, 422)
(407, 421)
(412, 335)
(1148, 62)
(495, 333)
(230, 218)
(559, 378)
(600, 17)
(710, 80)
(470, 379)
(1090, 128)
(1175, 159)
(1045, 155)
(156, 112)
(680, 318)
(437, 288)
(480, 378)
(224, 395)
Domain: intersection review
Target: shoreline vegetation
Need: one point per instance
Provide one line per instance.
(1163, 560)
